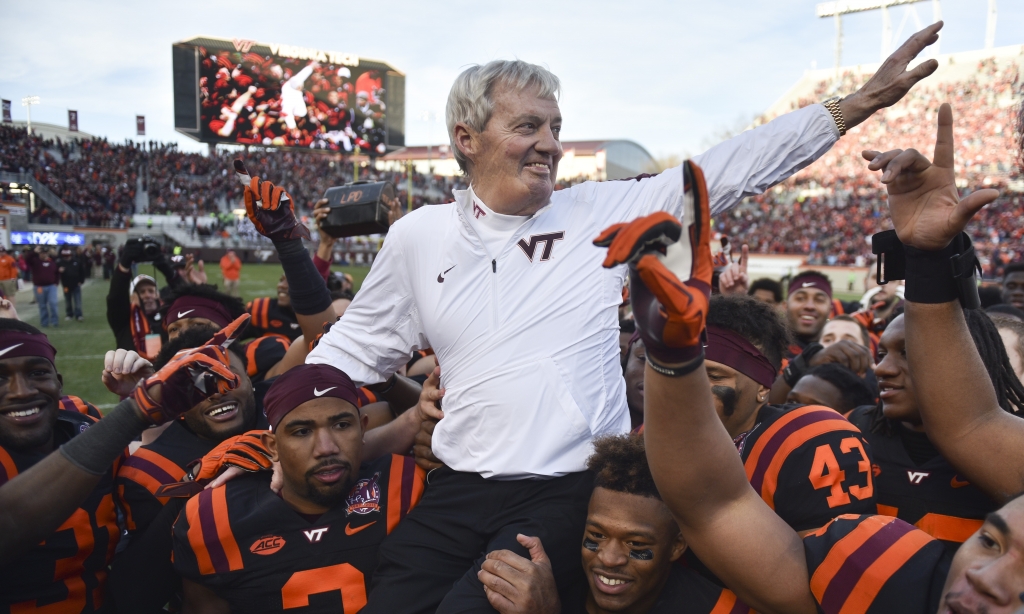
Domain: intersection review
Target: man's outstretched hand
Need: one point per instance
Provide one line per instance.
(892, 81)
(516, 585)
(925, 206)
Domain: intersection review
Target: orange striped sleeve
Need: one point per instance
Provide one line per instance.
(725, 604)
(887, 510)
(419, 482)
(143, 479)
(948, 528)
(838, 554)
(793, 442)
(166, 464)
(8, 467)
(129, 520)
(227, 537)
(879, 572)
(250, 357)
(264, 311)
(195, 537)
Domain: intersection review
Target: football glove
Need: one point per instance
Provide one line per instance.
(272, 218)
(245, 451)
(190, 377)
(670, 269)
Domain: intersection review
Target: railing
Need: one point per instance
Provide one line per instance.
(46, 194)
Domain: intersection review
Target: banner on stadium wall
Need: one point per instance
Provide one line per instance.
(140, 125)
(47, 238)
(7, 112)
(73, 121)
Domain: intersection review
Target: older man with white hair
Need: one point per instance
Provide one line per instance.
(506, 287)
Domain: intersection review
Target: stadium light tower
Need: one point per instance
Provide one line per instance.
(838, 8)
(990, 25)
(28, 101)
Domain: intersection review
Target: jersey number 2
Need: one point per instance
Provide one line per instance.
(825, 472)
(342, 577)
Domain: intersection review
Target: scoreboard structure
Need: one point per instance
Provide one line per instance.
(250, 93)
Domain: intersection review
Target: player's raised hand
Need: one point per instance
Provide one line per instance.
(516, 585)
(190, 377)
(270, 209)
(670, 273)
(7, 309)
(924, 203)
(123, 370)
(734, 279)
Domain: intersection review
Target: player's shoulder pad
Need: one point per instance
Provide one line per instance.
(867, 563)
(210, 520)
(76, 404)
(862, 417)
(405, 482)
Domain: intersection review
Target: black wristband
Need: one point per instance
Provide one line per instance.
(801, 364)
(686, 369)
(306, 287)
(943, 276)
(95, 450)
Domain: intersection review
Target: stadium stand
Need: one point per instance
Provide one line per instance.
(829, 210)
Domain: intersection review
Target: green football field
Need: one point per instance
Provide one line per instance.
(82, 345)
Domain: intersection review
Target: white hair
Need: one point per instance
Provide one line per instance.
(470, 100)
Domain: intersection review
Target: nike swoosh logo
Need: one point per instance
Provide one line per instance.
(352, 531)
(440, 276)
(956, 482)
(320, 393)
(5, 350)
(182, 314)
(807, 284)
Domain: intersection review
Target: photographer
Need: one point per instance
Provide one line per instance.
(134, 321)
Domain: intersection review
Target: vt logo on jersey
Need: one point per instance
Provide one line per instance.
(314, 535)
(364, 497)
(267, 545)
(547, 239)
(915, 477)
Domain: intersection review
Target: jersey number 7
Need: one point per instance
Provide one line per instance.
(825, 472)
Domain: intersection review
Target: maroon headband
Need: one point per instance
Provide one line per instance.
(198, 307)
(734, 351)
(812, 280)
(305, 383)
(17, 344)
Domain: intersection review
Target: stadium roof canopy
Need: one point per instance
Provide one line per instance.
(599, 159)
(51, 131)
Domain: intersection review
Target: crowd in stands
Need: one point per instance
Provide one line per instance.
(830, 209)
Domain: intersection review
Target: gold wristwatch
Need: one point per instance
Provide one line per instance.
(832, 104)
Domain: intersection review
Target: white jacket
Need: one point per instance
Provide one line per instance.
(527, 339)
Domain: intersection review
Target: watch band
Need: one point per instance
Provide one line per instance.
(832, 104)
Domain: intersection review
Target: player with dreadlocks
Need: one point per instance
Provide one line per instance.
(913, 481)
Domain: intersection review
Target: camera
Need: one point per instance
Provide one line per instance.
(359, 208)
(150, 248)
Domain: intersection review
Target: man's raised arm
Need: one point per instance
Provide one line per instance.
(692, 458)
(958, 403)
(757, 159)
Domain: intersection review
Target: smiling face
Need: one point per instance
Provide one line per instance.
(30, 392)
(283, 298)
(895, 387)
(225, 415)
(628, 548)
(807, 310)
(987, 573)
(319, 444)
(514, 160)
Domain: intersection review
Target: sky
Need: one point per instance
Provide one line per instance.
(668, 75)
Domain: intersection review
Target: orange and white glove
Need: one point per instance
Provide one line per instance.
(670, 269)
(191, 377)
(271, 209)
(245, 451)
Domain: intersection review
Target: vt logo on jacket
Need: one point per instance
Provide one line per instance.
(548, 239)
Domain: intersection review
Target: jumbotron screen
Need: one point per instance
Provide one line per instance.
(240, 91)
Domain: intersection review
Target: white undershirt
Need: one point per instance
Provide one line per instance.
(495, 229)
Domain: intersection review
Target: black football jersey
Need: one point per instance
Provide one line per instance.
(250, 547)
(270, 318)
(875, 565)
(930, 495)
(164, 461)
(809, 464)
(687, 592)
(262, 353)
(67, 572)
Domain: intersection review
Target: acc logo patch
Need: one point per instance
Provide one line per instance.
(267, 545)
(364, 497)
